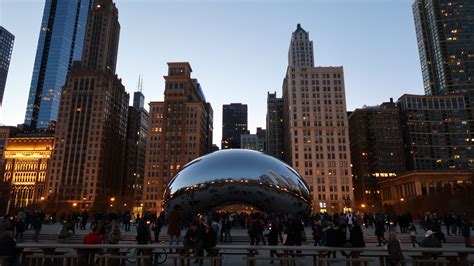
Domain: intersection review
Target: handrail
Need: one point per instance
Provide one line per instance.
(241, 247)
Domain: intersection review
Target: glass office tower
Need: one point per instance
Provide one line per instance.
(60, 43)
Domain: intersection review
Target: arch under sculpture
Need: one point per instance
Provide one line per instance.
(238, 176)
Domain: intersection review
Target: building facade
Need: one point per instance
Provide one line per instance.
(445, 35)
(234, 124)
(436, 132)
(274, 129)
(317, 134)
(420, 183)
(377, 152)
(137, 130)
(179, 132)
(255, 142)
(87, 168)
(26, 164)
(60, 43)
(6, 47)
(300, 53)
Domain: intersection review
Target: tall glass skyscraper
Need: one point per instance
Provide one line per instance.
(445, 35)
(60, 43)
(6, 47)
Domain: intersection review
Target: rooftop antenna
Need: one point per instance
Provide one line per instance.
(140, 83)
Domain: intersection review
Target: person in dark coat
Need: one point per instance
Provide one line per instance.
(357, 237)
(209, 239)
(175, 222)
(379, 232)
(272, 237)
(430, 241)
(7, 243)
(466, 233)
(394, 249)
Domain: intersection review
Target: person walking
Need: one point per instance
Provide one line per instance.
(412, 230)
(379, 232)
(7, 243)
(466, 233)
(36, 223)
(20, 225)
(272, 237)
(157, 229)
(175, 222)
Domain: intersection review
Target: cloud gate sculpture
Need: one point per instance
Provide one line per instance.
(238, 177)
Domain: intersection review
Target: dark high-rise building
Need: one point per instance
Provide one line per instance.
(60, 43)
(436, 132)
(445, 34)
(179, 131)
(6, 48)
(137, 130)
(274, 131)
(376, 150)
(87, 168)
(234, 124)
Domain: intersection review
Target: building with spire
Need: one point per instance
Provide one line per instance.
(60, 43)
(137, 130)
(316, 129)
(300, 53)
(87, 166)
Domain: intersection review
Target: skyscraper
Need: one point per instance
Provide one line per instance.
(87, 168)
(300, 53)
(234, 124)
(445, 34)
(60, 43)
(274, 129)
(316, 130)
(6, 48)
(376, 150)
(436, 132)
(179, 131)
(137, 130)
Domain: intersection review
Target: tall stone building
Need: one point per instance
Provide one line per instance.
(316, 132)
(179, 131)
(137, 130)
(300, 53)
(6, 47)
(87, 168)
(274, 129)
(234, 124)
(60, 43)
(376, 150)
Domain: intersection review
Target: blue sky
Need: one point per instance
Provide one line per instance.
(238, 48)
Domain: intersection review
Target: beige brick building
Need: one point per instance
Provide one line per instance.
(179, 130)
(316, 133)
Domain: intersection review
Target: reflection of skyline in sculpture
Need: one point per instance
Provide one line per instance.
(238, 176)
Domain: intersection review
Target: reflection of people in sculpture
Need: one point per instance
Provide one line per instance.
(175, 221)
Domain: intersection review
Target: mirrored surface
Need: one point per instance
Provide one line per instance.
(238, 176)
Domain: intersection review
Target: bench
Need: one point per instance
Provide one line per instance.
(108, 259)
(185, 260)
(42, 259)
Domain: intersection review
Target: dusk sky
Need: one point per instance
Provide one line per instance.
(238, 48)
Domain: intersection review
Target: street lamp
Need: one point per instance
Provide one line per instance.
(402, 199)
(112, 199)
(74, 204)
(42, 198)
(362, 205)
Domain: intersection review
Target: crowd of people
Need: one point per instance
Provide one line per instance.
(204, 231)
